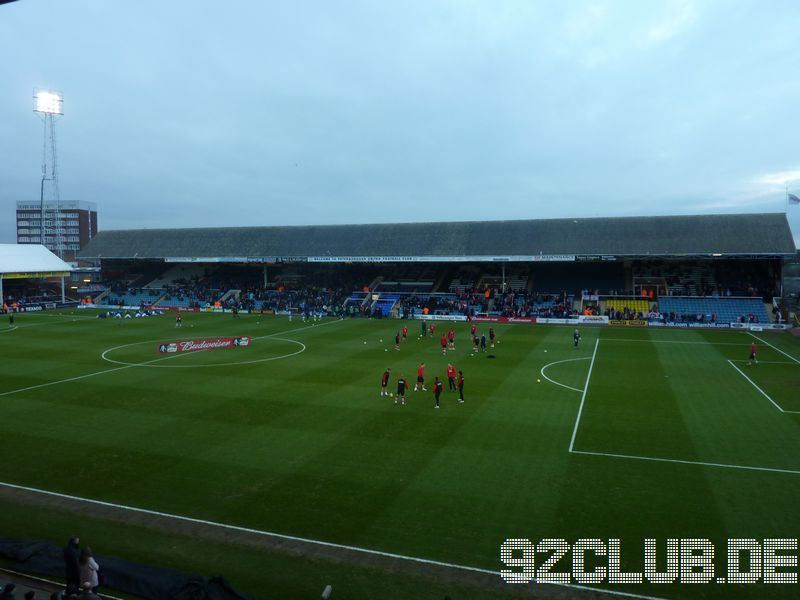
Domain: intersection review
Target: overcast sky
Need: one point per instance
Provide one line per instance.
(206, 113)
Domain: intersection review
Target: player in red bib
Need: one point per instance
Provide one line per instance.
(451, 377)
(443, 343)
(451, 339)
(420, 378)
(472, 329)
(753, 358)
(404, 331)
(385, 382)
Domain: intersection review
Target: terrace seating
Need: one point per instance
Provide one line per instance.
(385, 303)
(135, 298)
(726, 310)
(620, 304)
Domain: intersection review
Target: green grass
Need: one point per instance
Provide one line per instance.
(304, 445)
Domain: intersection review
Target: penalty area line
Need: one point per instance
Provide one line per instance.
(763, 393)
(302, 540)
(687, 462)
(775, 348)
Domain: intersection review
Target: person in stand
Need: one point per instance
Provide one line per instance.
(89, 569)
(753, 358)
(451, 377)
(385, 382)
(460, 385)
(443, 344)
(72, 552)
(576, 337)
(401, 390)
(420, 378)
(437, 390)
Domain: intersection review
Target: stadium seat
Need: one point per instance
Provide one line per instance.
(727, 310)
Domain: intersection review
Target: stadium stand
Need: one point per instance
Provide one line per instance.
(755, 234)
(719, 310)
(628, 306)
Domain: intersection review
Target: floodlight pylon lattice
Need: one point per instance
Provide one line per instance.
(49, 105)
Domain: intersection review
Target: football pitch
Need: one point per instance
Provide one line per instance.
(636, 433)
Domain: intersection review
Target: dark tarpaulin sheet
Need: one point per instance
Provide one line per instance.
(156, 583)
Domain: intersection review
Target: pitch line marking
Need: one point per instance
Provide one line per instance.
(764, 362)
(231, 364)
(309, 541)
(763, 393)
(687, 462)
(775, 348)
(569, 387)
(583, 397)
(606, 339)
(79, 377)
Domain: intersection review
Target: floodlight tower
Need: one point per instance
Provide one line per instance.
(49, 105)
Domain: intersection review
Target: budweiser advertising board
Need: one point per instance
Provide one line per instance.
(205, 344)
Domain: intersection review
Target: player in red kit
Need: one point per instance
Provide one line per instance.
(420, 378)
(404, 331)
(443, 343)
(492, 335)
(753, 358)
(451, 377)
(432, 328)
(385, 382)
(472, 329)
(451, 339)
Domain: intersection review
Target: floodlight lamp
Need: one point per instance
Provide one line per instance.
(48, 102)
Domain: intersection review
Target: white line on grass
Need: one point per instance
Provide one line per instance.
(763, 362)
(583, 397)
(79, 377)
(569, 387)
(775, 348)
(763, 393)
(687, 462)
(309, 541)
(606, 339)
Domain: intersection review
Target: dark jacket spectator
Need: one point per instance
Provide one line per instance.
(8, 592)
(72, 552)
